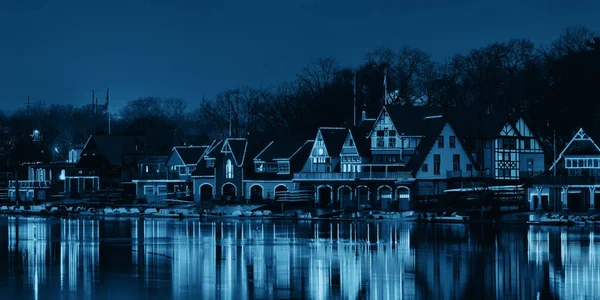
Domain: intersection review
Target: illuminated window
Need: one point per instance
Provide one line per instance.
(229, 169)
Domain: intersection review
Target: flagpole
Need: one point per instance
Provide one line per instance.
(107, 107)
(354, 83)
(385, 92)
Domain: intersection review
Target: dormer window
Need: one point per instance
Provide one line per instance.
(210, 163)
(259, 167)
(283, 167)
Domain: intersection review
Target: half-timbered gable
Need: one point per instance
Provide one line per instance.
(506, 150)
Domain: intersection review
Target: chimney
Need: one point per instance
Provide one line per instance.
(364, 113)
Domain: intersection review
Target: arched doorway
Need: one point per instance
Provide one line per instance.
(229, 192)
(345, 197)
(280, 191)
(256, 193)
(403, 196)
(206, 192)
(363, 200)
(324, 195)
(385, 197)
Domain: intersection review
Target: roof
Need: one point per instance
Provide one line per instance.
(191, 154)
(113, 147)
(334, 138)
(467, 122)
(238, 149)
(297, 160)
(580, 144)
(431, 130)
(360, 134)
(280, 149)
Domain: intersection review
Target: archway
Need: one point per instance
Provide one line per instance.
(363, 199)
(324, 195)
(256, 193)
(385, 197)
(345, 197)
(206, 192)
(229, 192)
(403, 196)
(280, 191)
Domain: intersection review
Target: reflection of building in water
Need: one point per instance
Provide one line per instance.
(79, 255)
(580, 264)
(570, 258)
(30, 239)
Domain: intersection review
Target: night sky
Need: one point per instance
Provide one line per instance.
(58, 51)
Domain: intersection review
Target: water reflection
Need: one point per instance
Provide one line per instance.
(161, 258)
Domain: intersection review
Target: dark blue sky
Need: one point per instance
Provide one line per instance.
(58, 51)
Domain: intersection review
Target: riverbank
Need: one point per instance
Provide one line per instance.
(260, 212)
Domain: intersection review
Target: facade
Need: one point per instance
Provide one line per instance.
(405, 154)
(161, 177)
(577, 178)
(46, 180)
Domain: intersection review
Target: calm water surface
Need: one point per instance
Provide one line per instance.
(172, 259)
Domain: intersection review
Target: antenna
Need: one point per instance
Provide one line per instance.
(28, 113)
(354, 84)
(93, 97)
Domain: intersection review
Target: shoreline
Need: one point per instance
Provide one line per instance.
(211, 217)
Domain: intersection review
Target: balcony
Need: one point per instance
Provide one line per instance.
(468, 174)
(163, 175)
(348, 176)
(30, 184)
(567, 180)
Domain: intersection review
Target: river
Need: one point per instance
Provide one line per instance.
(115, 258)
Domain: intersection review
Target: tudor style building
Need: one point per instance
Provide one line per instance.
(577, 178)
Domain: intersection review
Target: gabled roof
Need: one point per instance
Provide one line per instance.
(334, 138)
(433, 129)
(580, 144)
(190, 155)
(280, 149)
(237, 146)
(213, 149)
(113, 147)
(297, 160)
(360, 135)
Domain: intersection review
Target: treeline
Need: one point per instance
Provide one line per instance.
(556, 85)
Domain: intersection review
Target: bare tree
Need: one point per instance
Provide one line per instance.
(243, 107)
(284, 109)
(174, 108)
(142, 108)
(318, 75)
(573, 40)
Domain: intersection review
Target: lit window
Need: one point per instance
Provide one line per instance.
(229, 169)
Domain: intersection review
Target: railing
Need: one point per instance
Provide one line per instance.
(567, 180)
(352, 176)
(527, 174)
(467, 174)
(30, 184)
(160, 175)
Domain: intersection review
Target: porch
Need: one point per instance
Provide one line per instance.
(564, 197)
(362, 196)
